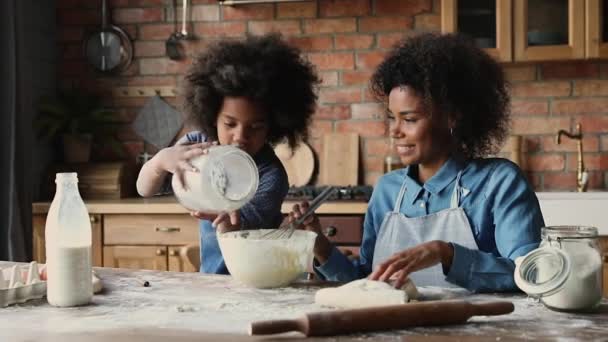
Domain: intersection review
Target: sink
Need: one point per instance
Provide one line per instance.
(575, 208)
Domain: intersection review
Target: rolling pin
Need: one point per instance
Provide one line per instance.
(328, 323)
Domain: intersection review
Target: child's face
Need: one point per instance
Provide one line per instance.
(241, 122)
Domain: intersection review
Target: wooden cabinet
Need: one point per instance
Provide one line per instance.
(149, 241)
(39, 250)
(489, 23)
(549, 29)
(137, 257)
(596, 30)
(604, 248)
(346, 231)
(531, 30)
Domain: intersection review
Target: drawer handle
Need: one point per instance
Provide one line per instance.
(172, 252)
(93, 219)
(160, 252)
(331, 231)
(168, 229)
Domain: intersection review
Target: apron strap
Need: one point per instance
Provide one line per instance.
(400, 197)
(455, 200)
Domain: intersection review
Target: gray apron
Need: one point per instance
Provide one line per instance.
(398, 232)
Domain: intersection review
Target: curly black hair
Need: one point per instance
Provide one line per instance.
(453, 77)
(264, 69)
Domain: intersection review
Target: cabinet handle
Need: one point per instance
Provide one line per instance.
(168, 229)
(160, 252)
(331, 231)
(93, 219)
(172, 252)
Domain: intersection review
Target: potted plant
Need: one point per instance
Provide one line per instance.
(74, 117)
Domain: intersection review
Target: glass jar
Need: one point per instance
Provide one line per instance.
(565, 272)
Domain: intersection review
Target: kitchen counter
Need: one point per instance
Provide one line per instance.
(197, 307)
(168, 205)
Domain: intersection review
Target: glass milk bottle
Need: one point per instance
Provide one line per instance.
(68, 245)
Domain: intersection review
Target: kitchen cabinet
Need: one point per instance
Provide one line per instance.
(528, 30)
(489, 23)
(38, 240)
(159, 234)
(596, 28)
(604, 248)
(136, 257)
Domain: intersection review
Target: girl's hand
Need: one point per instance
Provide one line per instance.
(224, 222)
(176, 159)
(400, 265)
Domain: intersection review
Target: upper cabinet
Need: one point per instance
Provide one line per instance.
(596, 29)
(531, 30)
(549, 29)
(487, 22)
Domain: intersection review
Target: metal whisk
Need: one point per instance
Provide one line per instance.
(286, 231)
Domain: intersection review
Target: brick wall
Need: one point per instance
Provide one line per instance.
(346, 39)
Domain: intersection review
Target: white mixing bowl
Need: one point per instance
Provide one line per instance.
(266, 263)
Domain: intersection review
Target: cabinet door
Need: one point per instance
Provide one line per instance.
(488, 23)
(184, 258)
(136, 257)
(150, 229)
(39, 250)
(604, 249)
(596, 32)
(342, 229)
(549, 29)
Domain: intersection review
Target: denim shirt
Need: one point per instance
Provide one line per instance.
(263, 211)
(501, 207)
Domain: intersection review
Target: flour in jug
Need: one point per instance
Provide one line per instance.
(583, 288)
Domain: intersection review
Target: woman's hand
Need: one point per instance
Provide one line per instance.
(223, 222)
(322, 247)
(400, 265)
(176, 159)
(311, 223)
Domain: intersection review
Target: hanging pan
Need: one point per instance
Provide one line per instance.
(109, 49)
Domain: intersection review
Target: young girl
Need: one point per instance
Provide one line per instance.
(252, 93)
(452, 217)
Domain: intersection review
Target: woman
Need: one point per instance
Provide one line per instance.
(252, 93)
(451, 218)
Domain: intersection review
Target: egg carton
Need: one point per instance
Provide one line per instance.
(20, 283)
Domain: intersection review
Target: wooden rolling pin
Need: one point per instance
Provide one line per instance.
(327, 323)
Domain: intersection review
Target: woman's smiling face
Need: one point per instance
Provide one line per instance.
(420, 138)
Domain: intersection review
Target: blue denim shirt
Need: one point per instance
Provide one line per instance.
(502, 209)
(263, 211)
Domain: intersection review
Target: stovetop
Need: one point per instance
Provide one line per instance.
(344, 193)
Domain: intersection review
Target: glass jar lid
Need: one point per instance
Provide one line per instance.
(543, 271)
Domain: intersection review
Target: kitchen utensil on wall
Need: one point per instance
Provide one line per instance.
(157, 122)
(328, 323)
(173, 48)
(339, 159)
(299, 163)
(110, 49)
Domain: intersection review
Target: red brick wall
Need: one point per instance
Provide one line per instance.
(346, 39)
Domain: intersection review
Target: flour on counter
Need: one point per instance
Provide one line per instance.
(219, 304)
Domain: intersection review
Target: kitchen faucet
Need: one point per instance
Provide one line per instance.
(581, 174)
